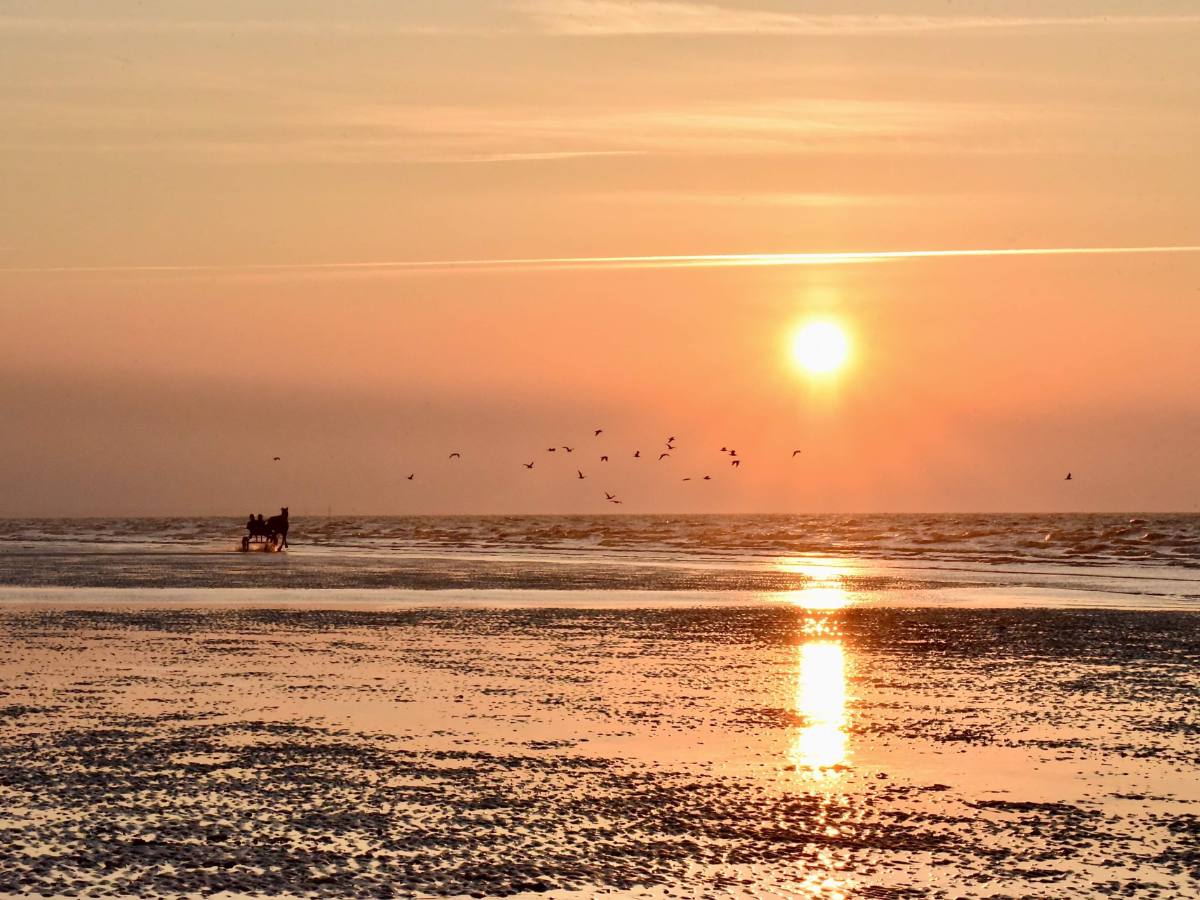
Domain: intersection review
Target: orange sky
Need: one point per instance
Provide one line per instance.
(172, 181)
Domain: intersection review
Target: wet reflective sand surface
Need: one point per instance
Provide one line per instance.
(803, 749)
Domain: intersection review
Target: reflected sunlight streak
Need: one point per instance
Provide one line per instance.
(823, 591)
(821, 745)
(821, 700)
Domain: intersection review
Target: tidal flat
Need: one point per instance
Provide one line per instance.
(760, 751)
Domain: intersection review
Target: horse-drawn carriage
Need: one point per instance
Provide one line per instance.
(268, 535)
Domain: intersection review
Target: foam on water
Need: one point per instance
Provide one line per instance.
(1122, 556)
(1107, 539)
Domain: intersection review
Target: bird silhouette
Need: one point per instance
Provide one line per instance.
(569, 449)
(527, 465)
(608, 496)
(456, 456)
(663, 455)
(724, 449)
(551, 449)
(688, 478)
(1069, 477)
(410, 477)
(795, 453)
(637, 454)
(733, 453)
(671, 439)
(616, 501)
(604, 459)
(598, 432)
(580, 474)
(735, 463)
(276, 458)
(708, 478)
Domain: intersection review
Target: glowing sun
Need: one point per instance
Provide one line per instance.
(820, 347)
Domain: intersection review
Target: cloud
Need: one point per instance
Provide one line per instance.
(614, 17)
(317, 130)
(232, 26)
(692, 261)
(739, 199)
(590, 18)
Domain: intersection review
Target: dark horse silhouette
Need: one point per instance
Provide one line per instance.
(278, 525)
(273, 530)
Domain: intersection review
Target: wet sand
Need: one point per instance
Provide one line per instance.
(711, 751)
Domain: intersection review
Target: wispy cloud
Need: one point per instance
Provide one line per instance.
(615, 17)
(229, 26)
(736, 199)
(321, 131)
(750, 126)
(687, 261)
(587, 18)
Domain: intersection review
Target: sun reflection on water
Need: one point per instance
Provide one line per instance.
(820, 746)
(820, 598)
(821, 743)
(823, 589)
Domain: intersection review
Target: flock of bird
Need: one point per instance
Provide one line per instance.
(735, 461)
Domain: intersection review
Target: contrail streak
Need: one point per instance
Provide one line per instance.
(689, 261)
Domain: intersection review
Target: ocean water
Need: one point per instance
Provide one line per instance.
(1127, 559)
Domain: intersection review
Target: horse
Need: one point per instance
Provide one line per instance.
(278, 525)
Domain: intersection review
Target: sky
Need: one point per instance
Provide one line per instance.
(361, 236)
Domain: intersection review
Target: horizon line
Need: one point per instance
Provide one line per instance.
(665, 512)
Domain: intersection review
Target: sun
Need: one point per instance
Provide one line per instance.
(820, 347)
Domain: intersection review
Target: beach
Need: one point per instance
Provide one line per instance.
(854, 730)
(600, 449)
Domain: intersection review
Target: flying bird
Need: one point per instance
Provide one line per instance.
(598, 432)
(637, 454)
(456, 456)
(276, 458)
(662, 455)
(616, 501)
(569, 449)
(527, 465)
(689, 478)
(608, 496)
(1068, 478)
(551, 449)
(580, 474)
(795, 453)
(736, 463)
(708, 478)
(410, 477)
(724, 449)
(604, 459)
(733, 453)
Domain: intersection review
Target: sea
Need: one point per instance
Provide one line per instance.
(1125, 560)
